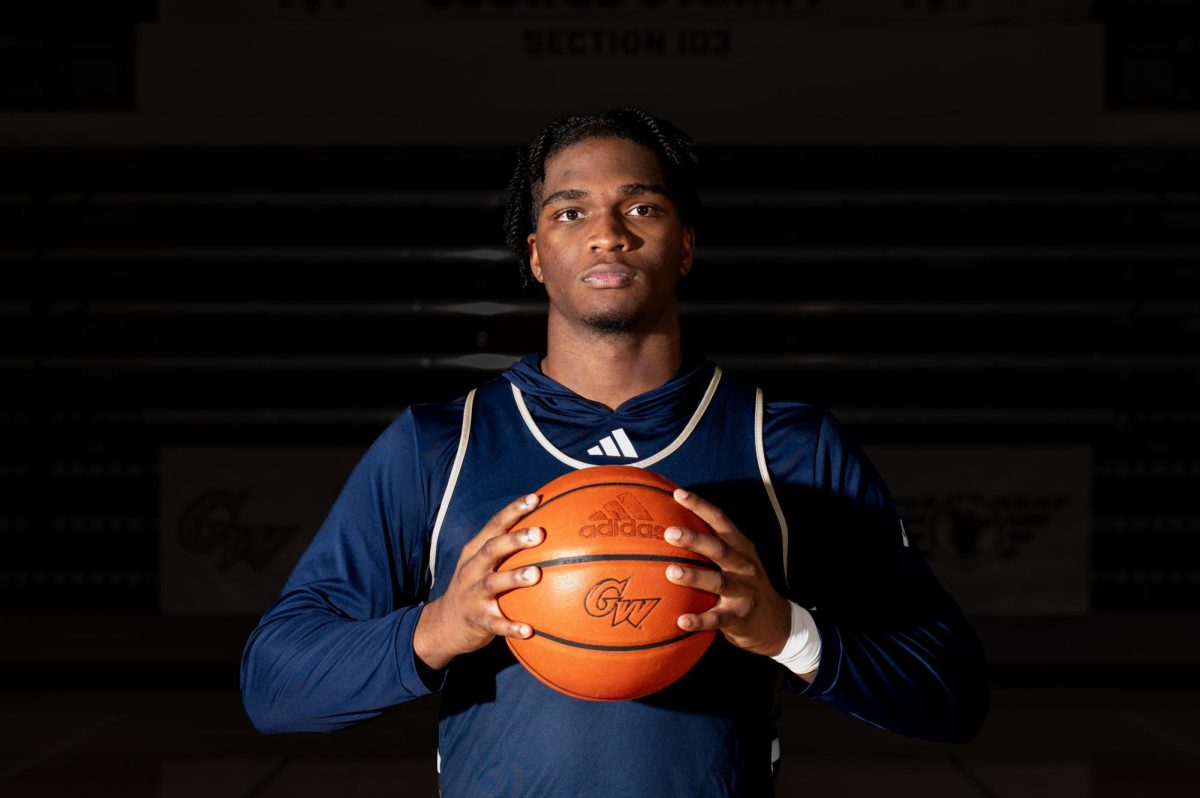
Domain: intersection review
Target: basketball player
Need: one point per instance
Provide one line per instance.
(819, 583)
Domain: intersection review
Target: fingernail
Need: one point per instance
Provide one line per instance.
(681, 494)
(529, 574)
(674, 571)
(685, 622)
(673, 533)
(526, 631)
(530, 500)
(533, 534)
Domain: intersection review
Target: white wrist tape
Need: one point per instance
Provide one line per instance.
(802, 651)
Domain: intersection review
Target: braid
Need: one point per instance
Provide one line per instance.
(672, 145)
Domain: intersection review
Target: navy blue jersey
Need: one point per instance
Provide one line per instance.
(336, 647)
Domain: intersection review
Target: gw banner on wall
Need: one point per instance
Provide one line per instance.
(236, 519)
(1005, 528)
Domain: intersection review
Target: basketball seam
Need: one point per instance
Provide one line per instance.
(569, 491)
(585, 558)
(601, 647)
(555, 685)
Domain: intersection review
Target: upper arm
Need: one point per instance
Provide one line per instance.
(849, 548)
(358, 563)
(371, 554)
(841, 467)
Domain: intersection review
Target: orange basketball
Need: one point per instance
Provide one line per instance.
(604, 614)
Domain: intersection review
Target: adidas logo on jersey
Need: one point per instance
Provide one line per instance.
(624, 515)
(616, 444)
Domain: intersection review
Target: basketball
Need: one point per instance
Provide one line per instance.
(604, 613)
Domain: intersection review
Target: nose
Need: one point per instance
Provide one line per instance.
(609, 232)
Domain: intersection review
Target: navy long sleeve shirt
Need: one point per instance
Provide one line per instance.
(896, 651)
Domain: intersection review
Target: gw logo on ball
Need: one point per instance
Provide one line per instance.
(607, 597)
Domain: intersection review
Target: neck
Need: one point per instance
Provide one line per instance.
(611, 368)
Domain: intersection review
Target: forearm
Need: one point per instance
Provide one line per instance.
(309, 669)
(925, 678)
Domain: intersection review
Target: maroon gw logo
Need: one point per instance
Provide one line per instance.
(211, 522)
(607, 597)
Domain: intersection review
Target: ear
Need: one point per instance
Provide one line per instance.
(689, 250)
(535, 264)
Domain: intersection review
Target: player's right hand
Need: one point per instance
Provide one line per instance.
(466, 617)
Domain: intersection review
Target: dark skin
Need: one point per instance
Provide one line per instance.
(610, 249)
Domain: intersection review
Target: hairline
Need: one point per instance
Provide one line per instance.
(535, 186)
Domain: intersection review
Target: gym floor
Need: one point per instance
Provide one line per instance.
(1055, 742)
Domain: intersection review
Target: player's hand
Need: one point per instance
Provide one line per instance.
(749, 611)
(466, 617)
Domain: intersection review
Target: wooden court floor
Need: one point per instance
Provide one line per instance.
(1038, 743)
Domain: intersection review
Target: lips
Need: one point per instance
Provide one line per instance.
(612, 274)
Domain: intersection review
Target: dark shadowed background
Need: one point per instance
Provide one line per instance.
(238, 237)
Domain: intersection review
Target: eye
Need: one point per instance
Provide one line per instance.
(565, 211)
(649, 210)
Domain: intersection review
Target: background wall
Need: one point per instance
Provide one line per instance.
(239, 237)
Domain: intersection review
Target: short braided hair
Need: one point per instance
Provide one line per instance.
(672, 145)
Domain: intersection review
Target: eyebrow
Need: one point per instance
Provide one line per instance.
(626, 190)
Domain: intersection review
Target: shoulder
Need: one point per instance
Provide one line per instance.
(794, 418)
(807, 423)
(438, 424)
(430, 431)
(409, 462)
(806, 443)
(433, 422)
(791, 434)
(419, 435)
(436, 428)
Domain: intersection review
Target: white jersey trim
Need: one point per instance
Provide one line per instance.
(463, 437)
(565, 458)
(760, 452)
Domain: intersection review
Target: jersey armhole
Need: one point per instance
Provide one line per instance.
(760, 452)
(463, 437)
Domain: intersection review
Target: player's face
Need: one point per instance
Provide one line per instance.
(609, 246)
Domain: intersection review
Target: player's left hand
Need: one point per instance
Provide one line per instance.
(749, 611)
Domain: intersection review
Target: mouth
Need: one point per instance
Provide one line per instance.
(609, 275)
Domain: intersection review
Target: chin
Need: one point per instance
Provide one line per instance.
(611, 322)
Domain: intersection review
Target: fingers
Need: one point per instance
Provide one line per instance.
(498, 548)
(703, 622)
(712, 515)
(503, 627)
(486, 614)
(468, 614)
(711, 546)
(500, 523)
(508, 516)
(749, 612)
(759, 623)
(717, 520)
(701, 579)
(503, 581)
